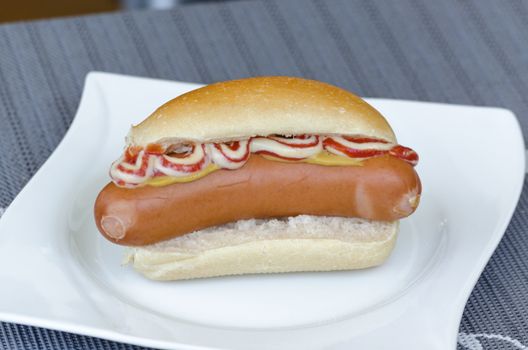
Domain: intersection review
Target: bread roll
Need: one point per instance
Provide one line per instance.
(294, 244)
(239, 109)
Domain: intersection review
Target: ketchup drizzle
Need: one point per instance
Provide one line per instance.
(187, 168)
(404, 153)
(268, 153)
(234, 146)
(131, 154)
(279, 138)
(139, 172)
(356, 139)
(352, 152)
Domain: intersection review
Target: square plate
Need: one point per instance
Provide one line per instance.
(58, 272)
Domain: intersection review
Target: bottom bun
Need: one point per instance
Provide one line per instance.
(294, 244)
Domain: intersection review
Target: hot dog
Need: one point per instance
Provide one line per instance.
(258, 149)
(261, 189)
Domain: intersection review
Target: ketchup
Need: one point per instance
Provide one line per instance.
(165, 154)
(131, 154)
(282, 140)
(363, 139)
(233, 146)
(142, 169)
(155, 148)
(186, 168)
(268, 153)
(404, 153)
(352, 152)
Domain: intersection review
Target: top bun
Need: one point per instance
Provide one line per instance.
(260, 106)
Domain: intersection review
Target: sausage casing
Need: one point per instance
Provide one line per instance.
(383, 188)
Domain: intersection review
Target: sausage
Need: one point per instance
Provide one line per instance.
(383, 188)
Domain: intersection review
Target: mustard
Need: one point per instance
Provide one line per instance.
(329, 159)
(169, 180)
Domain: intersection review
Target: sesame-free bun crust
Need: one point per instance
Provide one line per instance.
(294, 244)
(262, 106)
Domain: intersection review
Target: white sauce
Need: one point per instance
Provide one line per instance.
(282, 150)
(239, 155)
(203, 155)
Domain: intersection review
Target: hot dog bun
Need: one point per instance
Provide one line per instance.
(302, 243)
(259, 175)
(239, 109)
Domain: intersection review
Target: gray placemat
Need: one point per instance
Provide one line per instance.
(469, 52)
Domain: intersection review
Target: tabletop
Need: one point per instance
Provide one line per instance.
(465, 52)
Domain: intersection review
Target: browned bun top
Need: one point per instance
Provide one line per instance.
(262, 106)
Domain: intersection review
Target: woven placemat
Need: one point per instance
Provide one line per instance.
(466, 52)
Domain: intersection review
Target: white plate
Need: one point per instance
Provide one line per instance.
(58, 272)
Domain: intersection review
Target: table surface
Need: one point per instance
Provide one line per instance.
(465, 52)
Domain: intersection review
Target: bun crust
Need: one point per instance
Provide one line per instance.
(302, 243)
(239, 109)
